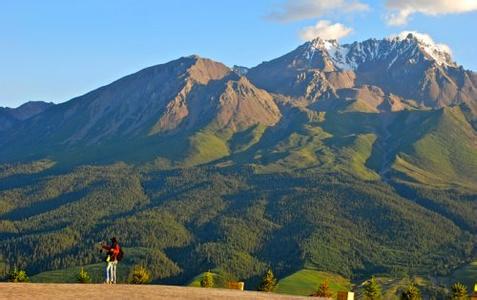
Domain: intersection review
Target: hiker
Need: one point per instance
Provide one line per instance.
(113, 252)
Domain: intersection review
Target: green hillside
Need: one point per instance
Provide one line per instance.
(442, 152)
(220, 280)
(305, 282)
(392, 287)
(69, 275)
(185, 221)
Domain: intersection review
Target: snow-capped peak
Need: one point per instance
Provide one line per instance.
(336, 53)
(408, 45)
(440, 53)
(319, 43)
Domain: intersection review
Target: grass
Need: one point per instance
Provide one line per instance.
(69, 275)
(206, 147)
(445, 152)
(219, 281)
(242, 141)
(95, 271)
(305, 282)
(353, 158)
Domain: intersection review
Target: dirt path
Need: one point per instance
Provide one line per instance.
(37, 291)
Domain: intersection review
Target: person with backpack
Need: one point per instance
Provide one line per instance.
(113, 255)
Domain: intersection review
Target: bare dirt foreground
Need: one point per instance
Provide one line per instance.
(38, 291)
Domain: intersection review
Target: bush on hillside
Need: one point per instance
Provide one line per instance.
(207, 281)
(411, 293)
(268, 282)
(139, 275)
(18, 276)
(372, 290)
(83, 276)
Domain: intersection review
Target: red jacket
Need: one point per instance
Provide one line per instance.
(113, 251)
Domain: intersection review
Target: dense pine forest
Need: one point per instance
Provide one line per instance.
(182, 222)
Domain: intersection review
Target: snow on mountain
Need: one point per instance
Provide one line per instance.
(338, 54)
(411, 45)
(440, 53)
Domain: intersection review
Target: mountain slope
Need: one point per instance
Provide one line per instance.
(178, 99)
(444, 154)
(231, 219)
(9, 117)
(407, 65)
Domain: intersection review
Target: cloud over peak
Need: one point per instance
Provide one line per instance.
(424, 39)
(401, 10)
(325, 30)
(295, 10)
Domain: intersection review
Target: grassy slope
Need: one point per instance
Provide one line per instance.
(69, 275)
(444, 155)
(392, 287)
(219, 280)
(333, 142)
(305, 282)
(133, 256)
(206, 146)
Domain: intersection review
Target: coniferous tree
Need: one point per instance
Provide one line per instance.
(411, 293)
(207, 281)
(83, 277)
(323, 290)
(459, 291)
(268, 282)
(372, 290)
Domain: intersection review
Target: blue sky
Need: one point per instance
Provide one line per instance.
(54, 50)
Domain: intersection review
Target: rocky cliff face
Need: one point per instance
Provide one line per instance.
(409, 68)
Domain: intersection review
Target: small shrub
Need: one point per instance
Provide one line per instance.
(18, 276)
(411, 293)
(268, 282)
(459, 292)
(207, 281)
(372, 290)
(139, 275)
(83, 277)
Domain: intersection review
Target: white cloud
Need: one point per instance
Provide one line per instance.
(425, 39)
(401, 10)
(325, 30)
(295, 10)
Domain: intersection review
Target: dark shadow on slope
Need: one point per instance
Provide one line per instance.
(411, 194)
(393, 137)
(45, 206)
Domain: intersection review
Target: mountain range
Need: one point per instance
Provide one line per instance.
(9, 117)
(357, 159)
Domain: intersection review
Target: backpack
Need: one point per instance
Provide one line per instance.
(120, 254)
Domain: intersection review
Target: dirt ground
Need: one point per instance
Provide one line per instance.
(36, 291)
